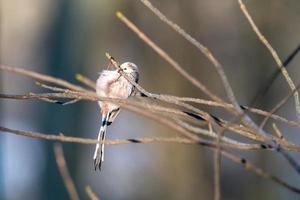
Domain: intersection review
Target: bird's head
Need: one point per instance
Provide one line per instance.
(129, 68)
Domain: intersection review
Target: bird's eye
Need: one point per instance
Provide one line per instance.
(125, 68)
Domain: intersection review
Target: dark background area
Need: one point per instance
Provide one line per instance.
(65, 37)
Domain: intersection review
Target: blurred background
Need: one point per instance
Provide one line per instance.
(65, 37)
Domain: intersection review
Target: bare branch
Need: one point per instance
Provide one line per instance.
(140, 108)
(241, 114)
(217, 166)
(91, 194)
(201, 47)
(246, 164)
(263, 90)
(278, 132)
(88, 95)
(86, 81)
(64, 172)
(284, 72)
(177, 113)
(278, 106)
(167, 57)
(250, 167)
(62, 138)
(42, 77)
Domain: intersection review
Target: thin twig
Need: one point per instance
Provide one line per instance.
(241, 114)
(55, 88)
(135, 107)
(71, 102)
(62, 138)
(277, 131)
(167, 57)
(251, 167)
(246, 164)
(217, 166)
(170, 99)
(269, 140)
(286, 75)
(167, 98)
(274, 54)
(278, 106)
(64, 172)
(91, 96)
(224, 139)
(226, 105)
(184, 99)
(263, 90)
(205, 144)
(140, 108)
(75, 93)
(91, 194)
(294, 164)
(42, 77)
(219, 68)
(86, 81)
(181, 140)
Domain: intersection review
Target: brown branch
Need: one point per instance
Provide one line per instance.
(86, 81)
(241, 114)
(219, 68)
(166, 98)
(64, 172)
(245, 118)
(42, 77)
(205, 51)
(286, 75)
(277, 131)
(223, 139)
(246, 164)
(184, 99)
(251, 167)
(91, 96)
(74, 94)
(140, 108)
(228, 106)
(62, 138)
(278, 106)
(91, 194)
(167, 57)
(274, 54)
(217, 166)
(170, 99)
(263, 90)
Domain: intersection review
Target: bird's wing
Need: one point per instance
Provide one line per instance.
(106, 77)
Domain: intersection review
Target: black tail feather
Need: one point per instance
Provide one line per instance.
(99, 151)
(97, 160)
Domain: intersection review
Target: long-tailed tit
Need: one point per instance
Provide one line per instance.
(112, 84)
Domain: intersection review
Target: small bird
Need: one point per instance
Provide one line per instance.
(112, 84)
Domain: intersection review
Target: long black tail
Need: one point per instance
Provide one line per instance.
(99, 151)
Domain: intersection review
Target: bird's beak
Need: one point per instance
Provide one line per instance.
(119, 70)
